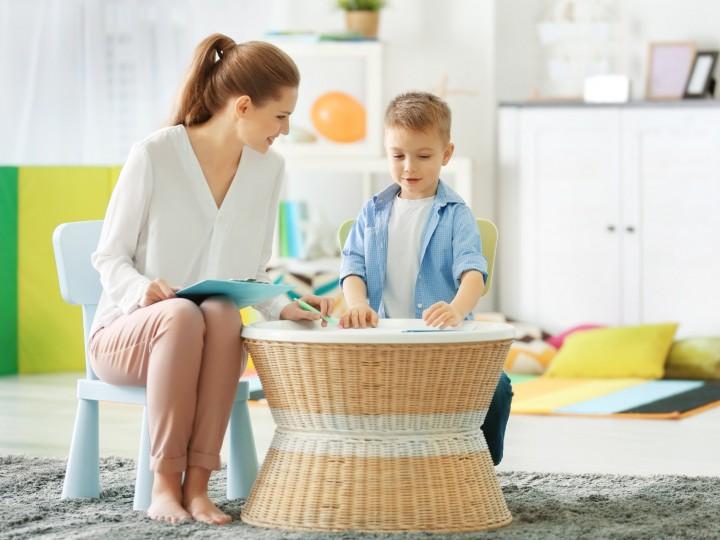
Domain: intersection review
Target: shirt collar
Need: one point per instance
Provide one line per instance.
(444, 195)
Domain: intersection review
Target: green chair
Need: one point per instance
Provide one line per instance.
(488, 234)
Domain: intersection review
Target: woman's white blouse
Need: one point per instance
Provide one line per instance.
(163, 222)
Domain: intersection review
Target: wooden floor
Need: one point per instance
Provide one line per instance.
(37, 413)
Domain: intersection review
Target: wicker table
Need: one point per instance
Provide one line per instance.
(378, 429)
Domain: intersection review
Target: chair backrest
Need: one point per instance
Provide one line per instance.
(73, 244)
(488, 234)
(343, 232)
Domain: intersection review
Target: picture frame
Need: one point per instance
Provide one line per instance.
(669, 64)
(701, 81)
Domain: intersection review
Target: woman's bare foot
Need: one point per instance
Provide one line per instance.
(196, 500)
(166, 502)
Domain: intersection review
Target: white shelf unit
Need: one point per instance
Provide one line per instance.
(457, 173)
(459, 167)
(370, 54)
(364, 158)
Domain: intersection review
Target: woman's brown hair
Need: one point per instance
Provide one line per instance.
(222, 69)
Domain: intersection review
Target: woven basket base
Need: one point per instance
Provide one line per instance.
(315, 492)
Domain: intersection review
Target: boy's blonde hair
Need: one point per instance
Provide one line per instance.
(419, 111)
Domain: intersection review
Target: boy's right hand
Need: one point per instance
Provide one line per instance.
(359, 316)
(157, 290)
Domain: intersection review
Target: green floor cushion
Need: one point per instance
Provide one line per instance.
(694, 358)
(619, 352)
(8, 270)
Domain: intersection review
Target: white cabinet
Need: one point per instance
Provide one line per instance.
(610, 215)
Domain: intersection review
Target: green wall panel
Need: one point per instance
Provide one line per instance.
(49, 330)
(8, 270)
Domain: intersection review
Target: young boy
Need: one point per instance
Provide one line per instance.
(419, 228)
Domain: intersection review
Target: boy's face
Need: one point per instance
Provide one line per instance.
(415, 159)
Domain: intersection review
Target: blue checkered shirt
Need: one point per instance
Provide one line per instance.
(450, 246)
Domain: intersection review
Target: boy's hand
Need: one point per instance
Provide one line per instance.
(156, 291)
(293, 312)
(442, 315)
(359, 316)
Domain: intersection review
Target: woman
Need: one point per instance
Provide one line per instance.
(195, 200)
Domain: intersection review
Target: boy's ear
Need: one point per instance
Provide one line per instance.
(447, 154)
(242, 104)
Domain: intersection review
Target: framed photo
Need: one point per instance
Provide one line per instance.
(701, 82)
(669, 66)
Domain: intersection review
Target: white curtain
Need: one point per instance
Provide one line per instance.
(81, 80)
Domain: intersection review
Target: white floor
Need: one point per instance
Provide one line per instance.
(37, 412)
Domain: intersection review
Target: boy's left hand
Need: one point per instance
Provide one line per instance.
(293, 312)
(442, 315)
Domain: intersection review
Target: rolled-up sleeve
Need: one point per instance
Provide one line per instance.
(353, 254)
(467, 245)
(124, 219)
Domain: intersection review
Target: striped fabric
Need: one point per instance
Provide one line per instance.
(637, 398)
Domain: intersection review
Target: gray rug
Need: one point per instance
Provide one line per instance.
(543, 506)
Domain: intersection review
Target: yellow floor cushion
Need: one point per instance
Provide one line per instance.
(619, 352)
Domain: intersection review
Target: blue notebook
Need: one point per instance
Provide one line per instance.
(243, 292)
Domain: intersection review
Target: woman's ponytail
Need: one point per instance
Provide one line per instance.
(222, 69)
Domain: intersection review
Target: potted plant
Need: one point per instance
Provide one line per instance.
(362, 16)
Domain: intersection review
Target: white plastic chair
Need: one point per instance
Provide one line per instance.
(80, 284)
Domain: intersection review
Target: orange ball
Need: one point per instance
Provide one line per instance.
(339, 117)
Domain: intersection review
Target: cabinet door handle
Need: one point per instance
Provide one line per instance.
(630, 229)
(611, 228)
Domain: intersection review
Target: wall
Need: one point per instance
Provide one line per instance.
(639, 22)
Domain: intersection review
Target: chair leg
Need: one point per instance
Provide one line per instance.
(144, 476)
(82, 474)
(242, 461)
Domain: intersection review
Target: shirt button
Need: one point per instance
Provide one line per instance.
(419, 305)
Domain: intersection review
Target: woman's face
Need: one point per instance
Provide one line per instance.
(260, 125)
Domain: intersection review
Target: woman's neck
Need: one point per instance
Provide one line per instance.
(217, 141)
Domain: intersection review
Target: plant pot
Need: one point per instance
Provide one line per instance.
(363, 22)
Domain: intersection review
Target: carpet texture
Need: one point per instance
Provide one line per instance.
(554, 506)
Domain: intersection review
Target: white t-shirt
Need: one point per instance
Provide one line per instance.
(163, 222)
(408, 218)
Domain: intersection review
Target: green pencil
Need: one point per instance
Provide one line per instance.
(308, 307)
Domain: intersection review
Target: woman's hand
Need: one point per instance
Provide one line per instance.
(442, 315)
(359, 316)
(293, 312)
(156, 291)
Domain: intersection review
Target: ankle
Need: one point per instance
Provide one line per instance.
(196, 482)
(167, 483)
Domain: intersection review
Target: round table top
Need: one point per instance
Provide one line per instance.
(388, 331)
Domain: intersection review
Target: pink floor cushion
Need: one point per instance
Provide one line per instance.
(558, 339)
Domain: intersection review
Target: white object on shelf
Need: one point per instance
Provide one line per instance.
(370, 53)
(606, 89)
